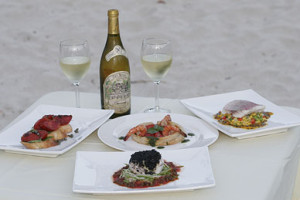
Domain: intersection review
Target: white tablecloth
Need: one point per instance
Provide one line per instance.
(262, 168)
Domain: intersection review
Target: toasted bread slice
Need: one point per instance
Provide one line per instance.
(40, 145)
(61, 133)
(53, 138)
(161, 141)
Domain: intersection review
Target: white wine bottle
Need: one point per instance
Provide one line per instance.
(115, 71)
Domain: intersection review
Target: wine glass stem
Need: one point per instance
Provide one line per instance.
(156, 107)
(77, 97)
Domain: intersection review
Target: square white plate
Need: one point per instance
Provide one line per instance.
(94, 170)
(206, 107)
(85, 120)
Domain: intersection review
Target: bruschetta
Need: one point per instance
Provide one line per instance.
(47, 132)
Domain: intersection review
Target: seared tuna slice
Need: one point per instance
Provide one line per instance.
(240, 108)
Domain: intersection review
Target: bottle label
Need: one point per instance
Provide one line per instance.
(116, 90)
(117, 51)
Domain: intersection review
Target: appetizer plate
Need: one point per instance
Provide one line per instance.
(94, 170)
(110, 132)
(84, 120)
(206, 107)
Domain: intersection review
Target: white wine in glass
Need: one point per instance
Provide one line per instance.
(156, 57)
(75, 62)
(156, 66)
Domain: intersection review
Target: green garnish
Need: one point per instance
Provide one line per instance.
(160, 147)
(185, 140)
(71, 135)
(34, 141)
(191, 134)
(152, 140)
(129, 176)
(121, 138)
(155, 129)
(258, 117)
(76, 130)
(49, 137)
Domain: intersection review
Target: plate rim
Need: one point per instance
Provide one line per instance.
(100, 135)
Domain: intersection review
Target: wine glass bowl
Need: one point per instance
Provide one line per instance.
(156, 58)
(74, 61)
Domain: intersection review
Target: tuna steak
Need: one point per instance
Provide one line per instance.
(240, 108)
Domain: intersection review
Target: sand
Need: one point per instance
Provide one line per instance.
(219, 46)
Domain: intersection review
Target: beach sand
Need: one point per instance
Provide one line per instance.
(219, 46)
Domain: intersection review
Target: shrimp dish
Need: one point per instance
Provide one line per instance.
(163, 133)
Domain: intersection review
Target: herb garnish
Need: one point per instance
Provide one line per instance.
(121, 138)
(76, 130)
(152, 140)
(185, 140)
(155, 129)
(34, 141)
(191, 134)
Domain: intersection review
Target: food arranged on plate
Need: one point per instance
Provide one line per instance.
(47, 132)
(146, 169)
(163, 133)
(243, 114)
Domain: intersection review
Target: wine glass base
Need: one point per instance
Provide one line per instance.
(157, 110)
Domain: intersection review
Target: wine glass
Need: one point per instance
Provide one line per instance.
(75, 61)
(156, 56)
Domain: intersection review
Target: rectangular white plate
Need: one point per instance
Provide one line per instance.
(94, 170)
(206, 107)
(85, 120)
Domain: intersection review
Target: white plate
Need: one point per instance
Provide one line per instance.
(206, 107)
(111, 131)
(85, 120)
(94, 170)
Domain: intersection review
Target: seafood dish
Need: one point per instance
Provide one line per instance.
(163, 133)
(243, 114)
(146, 169)
(47, 132)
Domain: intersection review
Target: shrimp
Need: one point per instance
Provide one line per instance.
(140, 130)
(169, 130)
(165, 121)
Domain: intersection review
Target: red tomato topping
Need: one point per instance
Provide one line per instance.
(37, 125)
(34, 135)
(50, 125)
(50, 117)
(240, 119)
(158, 134)
(150, 126)
(253, 121)
(52, 122)
(63, 119)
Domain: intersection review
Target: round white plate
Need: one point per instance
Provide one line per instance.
(111, 131)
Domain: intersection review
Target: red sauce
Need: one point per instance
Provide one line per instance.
(143, 184)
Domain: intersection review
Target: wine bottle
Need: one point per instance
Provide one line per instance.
(115, 71)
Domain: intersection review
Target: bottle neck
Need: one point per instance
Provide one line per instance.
(113, 25)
